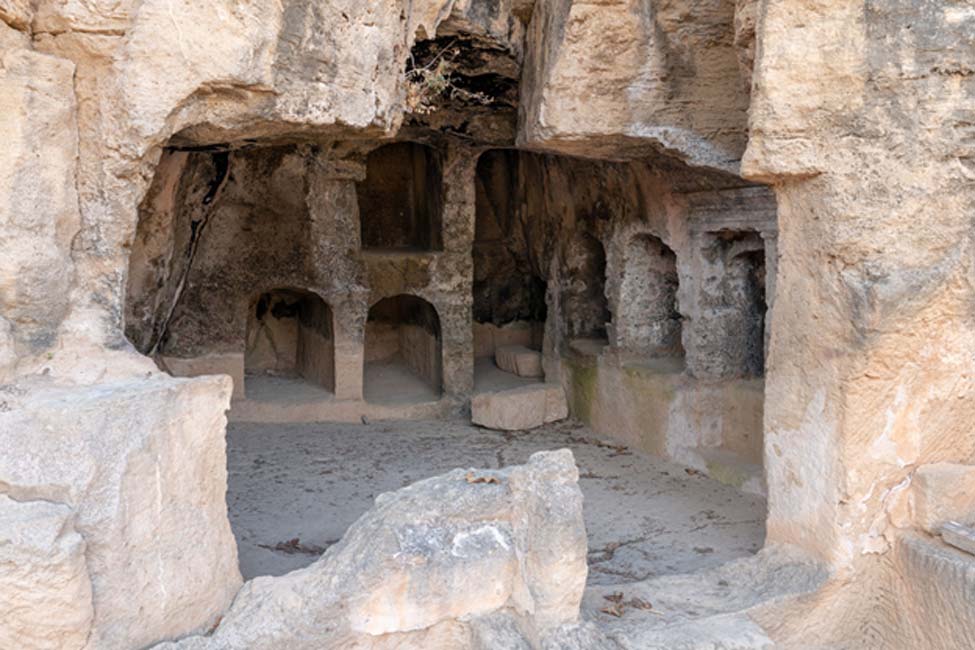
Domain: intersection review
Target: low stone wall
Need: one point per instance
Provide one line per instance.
(657, 408)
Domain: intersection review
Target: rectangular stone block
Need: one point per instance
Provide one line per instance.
(519, 360)
(231, 363)
(515, 409)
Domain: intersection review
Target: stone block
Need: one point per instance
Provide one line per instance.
(519, 360)
(943, 492)
(45, 593)
(488, 337)
(525, 407)
(934, 607)
(143, 466)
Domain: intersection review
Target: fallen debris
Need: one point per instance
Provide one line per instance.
(619, 605)
(294, 546)
(473, 478)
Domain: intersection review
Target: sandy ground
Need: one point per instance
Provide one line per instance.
(309, 482)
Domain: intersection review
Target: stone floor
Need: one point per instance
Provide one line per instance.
(295, 488)
(270, 388)
(394, 382)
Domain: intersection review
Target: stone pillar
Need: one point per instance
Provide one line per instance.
(454, 279)
(333, 263)
(872, 336)
(771, 239)
(699, 327)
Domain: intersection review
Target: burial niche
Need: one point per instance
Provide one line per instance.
(737, 294)
(509, 290)
(403, 351)
(649, 322)
(746, 287)
(401, 199)
(584, 304)
(289, 336)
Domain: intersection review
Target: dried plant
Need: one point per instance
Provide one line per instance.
(428, 85)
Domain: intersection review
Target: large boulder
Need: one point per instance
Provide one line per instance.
(45, 593)
(424, 563)
(143, 467)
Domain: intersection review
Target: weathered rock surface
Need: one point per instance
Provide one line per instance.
(525, 407)
(930, 599)
(16, 13)
(413, 571)
(860, 117)
(39, 212)
(943, 492)
(45, 593)
(618, 78)
(142, 465)
(519, 360)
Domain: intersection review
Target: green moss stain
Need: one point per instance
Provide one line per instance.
(584, 382)
(730, 473)
(650, 396)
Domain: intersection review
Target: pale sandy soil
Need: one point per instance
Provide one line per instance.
(645, 517)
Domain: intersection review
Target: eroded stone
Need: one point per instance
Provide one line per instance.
(943, 492)
(143, 467)
(45, 592)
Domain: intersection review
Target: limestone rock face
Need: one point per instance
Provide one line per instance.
(105, 17)
(16, 13)
(850, 431)
(942, 492)
(515, 409)
(413, 571)
(152, 72)
(143, 467)
(615, 77)
(45, 593)
(39, 212)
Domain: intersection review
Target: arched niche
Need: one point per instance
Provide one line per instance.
(290, 335)
(403, 351)
(648, 321)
